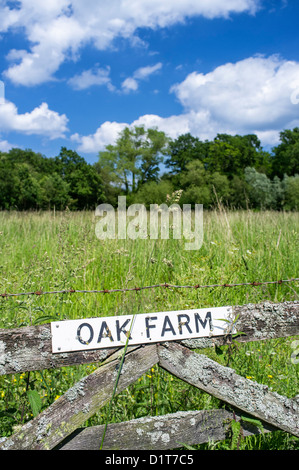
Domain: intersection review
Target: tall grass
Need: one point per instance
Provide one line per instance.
(54, 251)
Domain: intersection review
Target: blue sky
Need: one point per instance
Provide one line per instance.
(75, 73)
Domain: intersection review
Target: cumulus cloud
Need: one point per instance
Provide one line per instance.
(106, 134)
(40, 121)
(253, 95)
(5, 146)
(252, 92)
(58, 29)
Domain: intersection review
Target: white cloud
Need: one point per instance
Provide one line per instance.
(54, 42)
(143, 72)
(106, 134)
(58, 29)
(40, 121)
(252, 95)
(5, 146)
(249, 96)
(88, 78)
(131, 83)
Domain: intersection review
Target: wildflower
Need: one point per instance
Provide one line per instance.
(121, 251)
(167, 262)
(270, 376)
(57, 396)
(2, 394)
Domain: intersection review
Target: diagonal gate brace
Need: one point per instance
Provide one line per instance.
(223, 383)
(81, 401)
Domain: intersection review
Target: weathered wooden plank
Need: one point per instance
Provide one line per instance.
(225, 384)
(30, 348)
(258, 322)
(80, 402)
(170, 431)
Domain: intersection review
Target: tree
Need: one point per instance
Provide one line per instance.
(54, 192)
(262, 192)
(200, 185)
(27, 187)
(135, 158)
(152, 156)
(153, 192)
(230, 155)
(291, 192)
(183, 150)
(286, 154)
(83, 180)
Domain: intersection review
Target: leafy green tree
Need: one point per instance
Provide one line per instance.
(223, 158)
(135, 158)
(286, 154)
(183, 150)
(8, 197)
(262, 193)
(291, 192)
(153, 192)
(83, 180)
(230, 155)
(27, 187)
(239, 193)
(154, 150)
(54, 192)
(221, 187)
(38, 162)
(203, 187)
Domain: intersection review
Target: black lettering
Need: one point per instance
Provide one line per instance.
(120, 329)
(170, 327)
(108, 334)
(184, 323)
(203, 322)
(90, 333)
(148, 326)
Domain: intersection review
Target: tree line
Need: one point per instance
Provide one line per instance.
(149, 167)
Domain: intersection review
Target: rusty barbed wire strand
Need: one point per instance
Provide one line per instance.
(155, 286)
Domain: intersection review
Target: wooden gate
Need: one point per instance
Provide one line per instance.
(58, 427)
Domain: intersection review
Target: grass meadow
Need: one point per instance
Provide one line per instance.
(55, 251)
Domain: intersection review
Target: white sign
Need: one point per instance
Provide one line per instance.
(105, 332)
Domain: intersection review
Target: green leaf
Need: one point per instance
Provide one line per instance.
(35, 401)
(218, 351)
(236, 431)
(43, 319)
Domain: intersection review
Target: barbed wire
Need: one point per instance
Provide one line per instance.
(155, 286)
